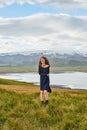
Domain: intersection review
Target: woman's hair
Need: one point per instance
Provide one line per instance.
(46, 61)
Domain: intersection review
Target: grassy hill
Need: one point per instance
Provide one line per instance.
(67, 109)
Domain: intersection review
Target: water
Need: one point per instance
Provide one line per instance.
(73, 80)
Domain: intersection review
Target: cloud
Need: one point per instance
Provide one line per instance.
(64, 4)
(59, 32)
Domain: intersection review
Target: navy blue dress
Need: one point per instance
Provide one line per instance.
(44, 78)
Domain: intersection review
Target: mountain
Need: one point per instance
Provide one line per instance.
(32, 58)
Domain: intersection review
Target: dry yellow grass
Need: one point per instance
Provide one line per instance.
(31, 89)
(20, 89)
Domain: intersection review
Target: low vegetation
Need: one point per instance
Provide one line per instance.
(67, 109)
(17, 69)
(66, 69)
(35, 69)
(12, 82)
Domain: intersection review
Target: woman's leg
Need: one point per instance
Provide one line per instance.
(42, 96)
(46, 95)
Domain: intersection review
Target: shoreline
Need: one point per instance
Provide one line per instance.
(62, 87)
(50, 72)
(33, 78)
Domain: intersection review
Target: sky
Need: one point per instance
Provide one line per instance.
(38, 25)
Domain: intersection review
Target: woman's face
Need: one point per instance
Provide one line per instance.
(42, 61)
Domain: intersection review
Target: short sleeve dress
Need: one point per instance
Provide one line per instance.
(44, 78)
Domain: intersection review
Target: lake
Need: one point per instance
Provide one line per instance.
(73, 80)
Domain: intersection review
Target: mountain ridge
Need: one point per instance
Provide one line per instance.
(31, 59)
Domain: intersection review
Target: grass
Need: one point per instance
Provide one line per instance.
(17, 69)
(64, 69)
(34, 69)
(12, 82)
(19, 87)
(67, 109)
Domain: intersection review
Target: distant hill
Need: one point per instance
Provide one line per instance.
(31, 59)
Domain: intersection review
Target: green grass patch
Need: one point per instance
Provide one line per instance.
(64, 69)
(35, 69)
(17, 69)
(13, 82)
(67, 110)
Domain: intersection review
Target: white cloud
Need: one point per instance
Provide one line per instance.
(65, 4)
(59, 32)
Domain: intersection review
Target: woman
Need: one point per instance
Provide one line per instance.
(44, 78)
